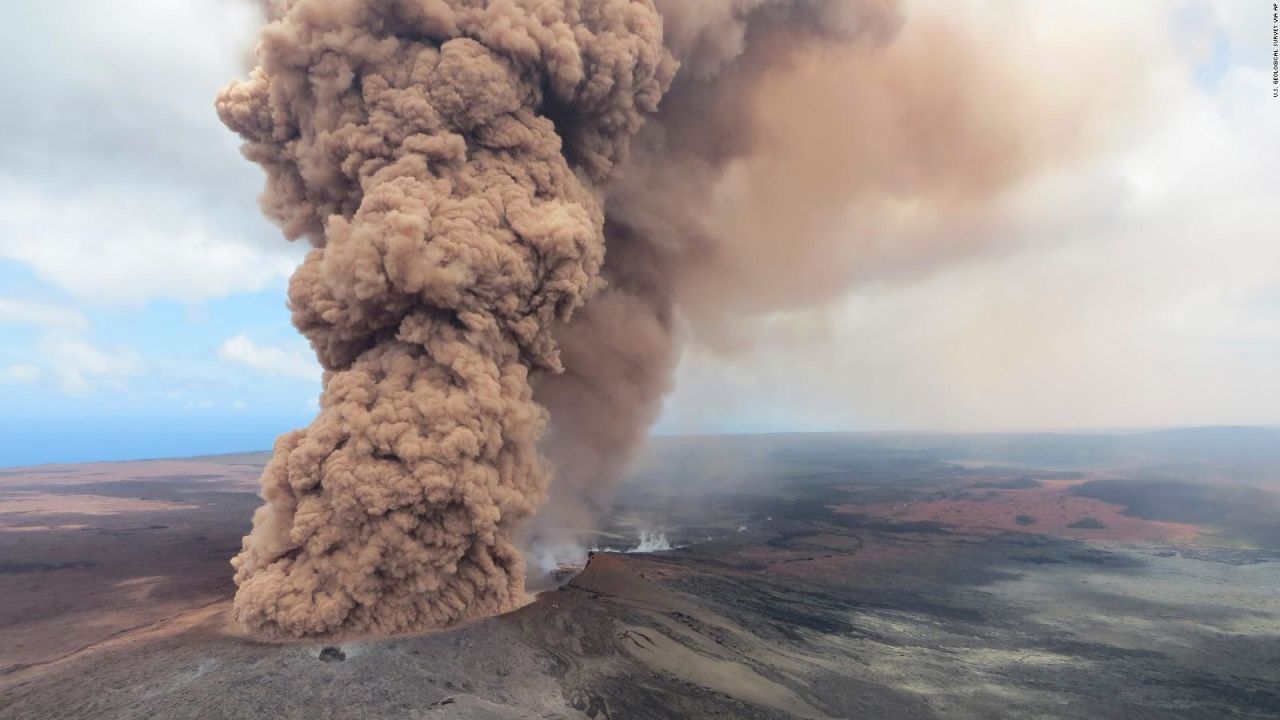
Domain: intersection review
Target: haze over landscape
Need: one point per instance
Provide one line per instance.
(640, 358)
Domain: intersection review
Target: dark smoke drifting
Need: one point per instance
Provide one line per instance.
(621, 351)
(804, 147)
(458, 166)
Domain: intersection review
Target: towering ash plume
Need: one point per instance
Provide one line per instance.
(440, 156)
(458, 166)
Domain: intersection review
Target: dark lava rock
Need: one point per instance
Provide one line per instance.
(1022, 483)
(1041, 560)
(1088, 524)
(332, 654)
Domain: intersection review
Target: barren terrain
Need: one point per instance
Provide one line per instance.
(813, 576)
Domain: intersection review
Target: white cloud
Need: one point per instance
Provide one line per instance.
(20, 374)
(149, 199)
(81, 368)
(39, 314)
(61, 351)
(108, 246)
(1154, 300)
(1247, 25)
(295, 364)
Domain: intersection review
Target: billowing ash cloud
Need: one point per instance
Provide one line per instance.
(458, 166)
(441, 157)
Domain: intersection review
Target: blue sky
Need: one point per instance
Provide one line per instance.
(142, 293)
(161, 378)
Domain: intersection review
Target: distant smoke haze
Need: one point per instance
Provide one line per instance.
(805, 149)
(652, 541)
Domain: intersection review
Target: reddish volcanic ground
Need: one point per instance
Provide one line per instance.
(814, 576)
(1053, 507)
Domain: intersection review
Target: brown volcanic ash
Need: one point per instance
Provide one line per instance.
(621, 351)
(804, 147)
(454, 223)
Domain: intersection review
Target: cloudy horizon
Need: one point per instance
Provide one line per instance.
(142, 292)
